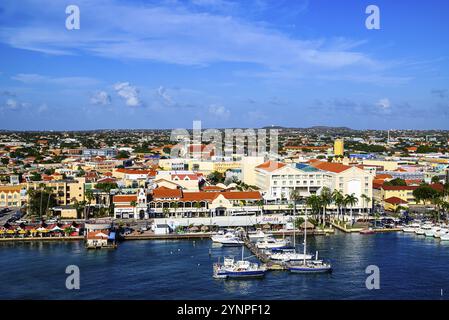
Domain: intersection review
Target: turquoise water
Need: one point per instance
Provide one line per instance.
(411, 267)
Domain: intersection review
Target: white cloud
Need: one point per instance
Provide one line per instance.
(33, 78)
(384, 104)
(179, 36)
(129, 93)
(219, 111)
(42, 108)
(11, 104)
(166, 98)
(101, 98)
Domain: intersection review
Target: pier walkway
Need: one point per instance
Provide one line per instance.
(263, 257)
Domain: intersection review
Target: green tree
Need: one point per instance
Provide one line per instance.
(314, 203)
(338, 198)
(351, 200)
(396, 182)
(295, 195)
(215, 177)
(424, 193)
(39, 199)
(435, 179)
(326, 200)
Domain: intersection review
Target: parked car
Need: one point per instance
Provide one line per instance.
(22, 221)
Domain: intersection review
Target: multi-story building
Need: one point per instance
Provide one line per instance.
(67, 192)
(106, 152)
(277, 180)
(339, 148)
(134, 206)
(178, 203)
(11, 196)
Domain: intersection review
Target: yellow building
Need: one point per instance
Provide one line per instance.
(339, 147)
(10, 196)
(67, 191)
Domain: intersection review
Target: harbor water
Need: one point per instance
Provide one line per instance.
(411, 267)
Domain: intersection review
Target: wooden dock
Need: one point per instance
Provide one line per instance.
(263, 257)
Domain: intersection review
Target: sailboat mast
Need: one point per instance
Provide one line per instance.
(305, 238)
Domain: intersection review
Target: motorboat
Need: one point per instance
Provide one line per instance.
(258, 235)
(240, 269)
(270, 243)
(219, 237)
(441, 232)
(231, 242)
(445, 237)
(422, 229)
(367, 231)
(290, 256)
(411, 228)
(432, 231)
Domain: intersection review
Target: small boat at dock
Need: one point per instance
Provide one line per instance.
(367, 231)
(271, 243)
(241, 269)
(259, 235)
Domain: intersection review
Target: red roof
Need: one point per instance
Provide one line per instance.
(163, 192)
(330, 166)
(399, 187)
(125, 198)
(395, 200)
(98, 234)
(271, 165)
(383, 176)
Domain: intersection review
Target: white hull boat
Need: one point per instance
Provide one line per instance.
(441, 233)
(271, 243)
(254, 237)
(286, 257)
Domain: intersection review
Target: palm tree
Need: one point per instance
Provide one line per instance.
(89, 196)
(314, 202)
(294, 196)
(351, 200)
(338, 198)
(175, 206)
(41, 189)
(366, 200)
(197, 206)
(326, 200)
(49, 191)
(259, 204)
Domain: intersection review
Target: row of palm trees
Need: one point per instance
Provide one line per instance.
(320, 203)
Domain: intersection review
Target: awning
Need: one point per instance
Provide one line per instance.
(112, 236)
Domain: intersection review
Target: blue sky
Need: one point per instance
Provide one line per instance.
(228, 63)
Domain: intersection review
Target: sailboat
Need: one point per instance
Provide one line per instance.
(309, 266)
(286, 256)
(238, 269)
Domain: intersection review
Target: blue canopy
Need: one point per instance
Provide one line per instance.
(112, 236)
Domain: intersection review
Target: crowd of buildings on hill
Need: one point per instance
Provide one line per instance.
(125, 182)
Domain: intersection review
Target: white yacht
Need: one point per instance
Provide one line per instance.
(431, 232)
(441, 232)
(258, 235)
(411, 227)
(271, 243)
(290, 256)
(445, 237)
(223, 236)
(422, 230)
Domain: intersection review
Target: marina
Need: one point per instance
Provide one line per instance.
(158, 269)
